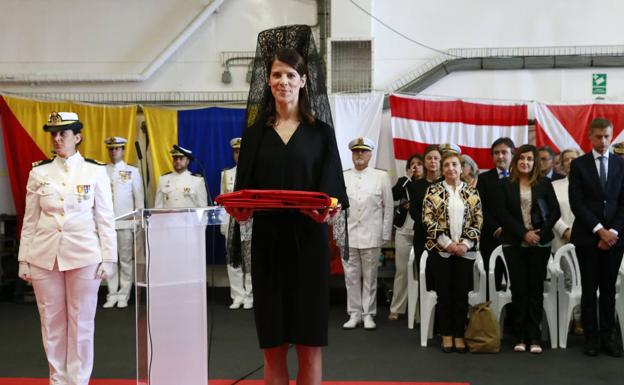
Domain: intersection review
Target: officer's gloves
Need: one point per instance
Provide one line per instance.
(24, 271)
(105, 270)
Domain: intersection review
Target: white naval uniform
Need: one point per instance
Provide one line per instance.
(240, 284)
(127, 189)
(181, 190)
(68, 230)
(371, 209)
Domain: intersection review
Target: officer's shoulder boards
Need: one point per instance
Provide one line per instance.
(167, 173)
(381, 169)
(42, 162)
(94, 161)
(197, 174)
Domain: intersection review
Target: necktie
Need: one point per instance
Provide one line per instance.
(505, 174)
(603, 172)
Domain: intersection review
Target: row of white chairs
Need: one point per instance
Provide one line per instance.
(559, 300)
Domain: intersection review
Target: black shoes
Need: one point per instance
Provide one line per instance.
(612, 348)
(592, 347)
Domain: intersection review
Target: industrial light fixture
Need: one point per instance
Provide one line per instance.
(226, 76)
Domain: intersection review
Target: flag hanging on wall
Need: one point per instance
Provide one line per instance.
(205, 131)
(25, 141)
(417, 122)
(566, 126)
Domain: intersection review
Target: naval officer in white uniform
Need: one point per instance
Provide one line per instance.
(371, 208)
(68, 244)
(127, 188)
(240, 284)
(181, 188)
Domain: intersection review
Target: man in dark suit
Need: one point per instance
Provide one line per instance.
(488, 186)
(547, 163)
(596, 193)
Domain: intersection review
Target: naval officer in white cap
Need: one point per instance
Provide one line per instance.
(371, 208)
(127, 190)
(240, 284)
(181, 188)
(68, 244)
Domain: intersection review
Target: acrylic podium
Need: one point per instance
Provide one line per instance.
(171, 306)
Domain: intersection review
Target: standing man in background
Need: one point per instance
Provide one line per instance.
(240, 282)
(547, 163)
(181, 188)
(489, 186)
(370, 225)
(127, 188)
(596, 192)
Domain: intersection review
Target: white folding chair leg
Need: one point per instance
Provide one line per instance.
(412, 292)
(427, 316)
(565, 315)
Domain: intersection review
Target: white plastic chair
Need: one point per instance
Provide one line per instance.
(550, 306)
(478, 293)
(503, 297)
(412, 291)
(619, 299)
(429, 298)
(499, 298)
(568, 298)
(428, 301)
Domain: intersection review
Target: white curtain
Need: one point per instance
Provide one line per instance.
(356, 115)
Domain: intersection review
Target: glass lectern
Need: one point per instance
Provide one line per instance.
(171, 306)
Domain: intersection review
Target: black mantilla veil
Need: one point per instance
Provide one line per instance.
(301, 39)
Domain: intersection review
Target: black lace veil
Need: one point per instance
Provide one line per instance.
(301, 39)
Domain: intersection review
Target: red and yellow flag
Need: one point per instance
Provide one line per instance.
(25, 141)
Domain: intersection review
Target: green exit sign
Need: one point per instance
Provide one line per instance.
(599, 84)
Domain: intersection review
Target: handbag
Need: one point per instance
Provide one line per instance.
(539, 213)
(483, 333)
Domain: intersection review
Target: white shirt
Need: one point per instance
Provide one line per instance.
(181, 190)
(127, 188)
(596, 156)
(370, 207)
(69, 215)
(456, 209)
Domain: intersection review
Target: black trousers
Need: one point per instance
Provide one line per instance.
(599, 270)
(453, 281)
(527, 270)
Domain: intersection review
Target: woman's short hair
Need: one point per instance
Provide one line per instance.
(535, 174)
(577, 151)
(467, 160)
(411, 158)
(431, 148)
(450, 154)
(295, 60)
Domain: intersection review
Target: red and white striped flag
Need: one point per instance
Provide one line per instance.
(566, 126)
(418, 122)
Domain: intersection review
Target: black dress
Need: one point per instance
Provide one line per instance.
(289, 250)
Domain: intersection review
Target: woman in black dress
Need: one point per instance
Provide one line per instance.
(287, 148)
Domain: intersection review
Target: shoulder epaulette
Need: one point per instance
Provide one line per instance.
(94, 161)
(197, 174)
(167, 173)
(41, 162)
(381, 169)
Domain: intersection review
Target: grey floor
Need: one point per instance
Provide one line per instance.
(391, 353)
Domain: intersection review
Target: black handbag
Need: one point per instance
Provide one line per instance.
(539, 213)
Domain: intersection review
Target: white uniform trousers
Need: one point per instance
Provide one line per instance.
(67, 301)
(402, 248)
(120, 282)
(361, 281)
(240, 293)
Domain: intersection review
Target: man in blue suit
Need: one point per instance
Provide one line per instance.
(596, 193)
